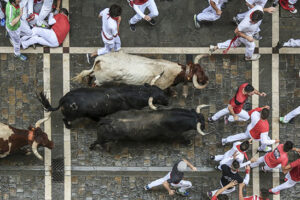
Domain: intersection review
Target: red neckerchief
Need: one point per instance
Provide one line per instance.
(114, 18)
(239, 149)
(16, 7)
(285, 5)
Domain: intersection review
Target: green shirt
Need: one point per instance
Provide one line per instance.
(11, 13)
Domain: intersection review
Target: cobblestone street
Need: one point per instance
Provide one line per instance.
(72, 171)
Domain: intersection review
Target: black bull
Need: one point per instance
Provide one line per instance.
(95, 103)
(141, 125)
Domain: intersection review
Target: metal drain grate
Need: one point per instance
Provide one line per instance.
(58, 170)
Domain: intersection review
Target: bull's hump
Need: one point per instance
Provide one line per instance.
(5, 131)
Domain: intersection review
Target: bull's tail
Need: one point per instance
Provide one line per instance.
(45, 102)
(84, 73)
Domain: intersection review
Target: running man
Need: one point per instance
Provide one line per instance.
(236, 104)
(175, 179)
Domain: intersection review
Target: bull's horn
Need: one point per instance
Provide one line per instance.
(196, 84)
(150, 102)
(156, 78)
(84, 73)
(199, 129)
(198, 109)
(34, 150)
(198, 57)
(39, 122)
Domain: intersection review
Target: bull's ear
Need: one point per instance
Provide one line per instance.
(147, 85)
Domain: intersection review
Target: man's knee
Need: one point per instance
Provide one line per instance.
(188, 184)
(155, 13)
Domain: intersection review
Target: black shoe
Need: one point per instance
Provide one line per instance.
(275, 3)
(279, 45)
(212, 157)
(223, 6)
(132, 27)
(210, 120)
(152, 22)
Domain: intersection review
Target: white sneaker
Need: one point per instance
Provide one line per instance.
(267, 149)
(235, 20)
(224, 142)
(253, 58)
(212, 48)
(294, 10)
(197, 25)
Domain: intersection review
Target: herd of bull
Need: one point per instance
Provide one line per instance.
(124, 84)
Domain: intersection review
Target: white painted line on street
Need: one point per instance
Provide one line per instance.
(153, 50)
(275, 114)
(275, 92)
(275, 27)
(66, 43)
(47, 124)
(170, 50)
(255, 104)
(67, 135)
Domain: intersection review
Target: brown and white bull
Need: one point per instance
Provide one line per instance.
(13, 139)
(120, 67)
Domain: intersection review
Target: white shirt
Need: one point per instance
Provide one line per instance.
(109, 25)
(246, 26)
(261, 3)
(228, 156)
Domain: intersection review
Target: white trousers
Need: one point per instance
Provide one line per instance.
(292, 114)
(292, 2)
(225, 192)
(288, 184)
(208, 14)
(15, 37)
(1, 12)
(246, 135)
(292, 43)
(42, 36)
(250, 46)
(37, 7)
(109, 45)
(46, 9)
(182, 185)
(243, 115)
(262, 160)
(151, 7)
(25, 28)
(23, 4)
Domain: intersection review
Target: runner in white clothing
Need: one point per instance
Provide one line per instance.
(237, 152)
(257, 129)
(140, 6)
(45, 11)
(290, 115)
(111, 18)
(244, 34)
(291, 43)
(211, 13)
(250, 4)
